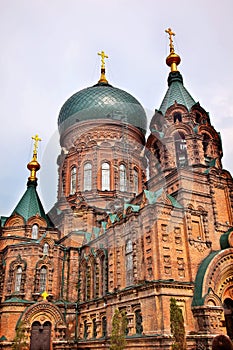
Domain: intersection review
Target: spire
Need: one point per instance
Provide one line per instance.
(34, 166)
(30, 204)
(103, 77)
(176, 91)
(173, 60)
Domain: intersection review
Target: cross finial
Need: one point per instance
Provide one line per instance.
(36, 138)
(102, 76)
(170, 33)
(44, 295)
(103, 56)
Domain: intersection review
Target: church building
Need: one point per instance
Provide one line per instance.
(139, 219)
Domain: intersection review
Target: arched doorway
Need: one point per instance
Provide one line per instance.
(40, 336)
(228, 313)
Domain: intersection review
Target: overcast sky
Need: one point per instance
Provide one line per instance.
(49, 51)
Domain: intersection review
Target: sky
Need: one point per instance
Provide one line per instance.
(49, 51)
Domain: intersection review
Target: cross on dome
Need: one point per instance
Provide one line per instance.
(170, 33)
(36, 138)
(103, 77)
(103, 56)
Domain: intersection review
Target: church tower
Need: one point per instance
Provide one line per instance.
(116, 241)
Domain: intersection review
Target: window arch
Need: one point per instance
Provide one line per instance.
(43, 278)
(18, 278)
(129, 262)
(87, 177)
(35, 230)
(181, 149)
(73, 180)
(135, 180)
(123, 178)
(105, 176)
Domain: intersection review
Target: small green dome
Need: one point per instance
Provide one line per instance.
(102, 101)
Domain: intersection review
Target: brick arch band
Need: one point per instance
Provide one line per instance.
(219, 276)
(42, 312)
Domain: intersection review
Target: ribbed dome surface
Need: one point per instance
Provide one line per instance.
(102, 101)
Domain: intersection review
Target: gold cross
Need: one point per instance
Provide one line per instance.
(45, 295)
(103, 56)
(170, 33)
(36, 139)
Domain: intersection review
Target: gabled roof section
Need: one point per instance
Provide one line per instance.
(30, 204)
(176, 93)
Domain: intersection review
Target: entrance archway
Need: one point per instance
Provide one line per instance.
(40, 336)
(228, 313)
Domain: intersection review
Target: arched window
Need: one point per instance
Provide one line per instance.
(138, 322)
(105, 172)
(46, 248)
(18, 279)
(177, 117)
(135, 180)
(104, 326)
(181, 149)
(123, 178)
(85, 330)
(94, 328)
(206, 147)
(198, 118)
(104, 283)
(96, 279)
(87, 177)
(88, 282)
(129, 262)
(43, 278)
(73, 180)
(35, 230)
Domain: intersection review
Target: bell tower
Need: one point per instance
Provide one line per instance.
(182, 136)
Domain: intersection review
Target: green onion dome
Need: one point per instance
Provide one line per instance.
(102, 101)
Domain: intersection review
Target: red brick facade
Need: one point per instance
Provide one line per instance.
(123, 241)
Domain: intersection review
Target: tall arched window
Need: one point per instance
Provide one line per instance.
(206, 147)
(123, 178)
(105, 173)
(88, 282)
(104, 326)
(85, 330)
(43, 278)
(73, 180)
(35, 230)
(135, 180)
(46, 248)
(18, 279)
(181, 149)
(87, 177)
(129, 262)
(138, 322)
(94, 328)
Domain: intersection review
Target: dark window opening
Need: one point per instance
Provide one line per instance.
(181, 150)
(177, 117)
